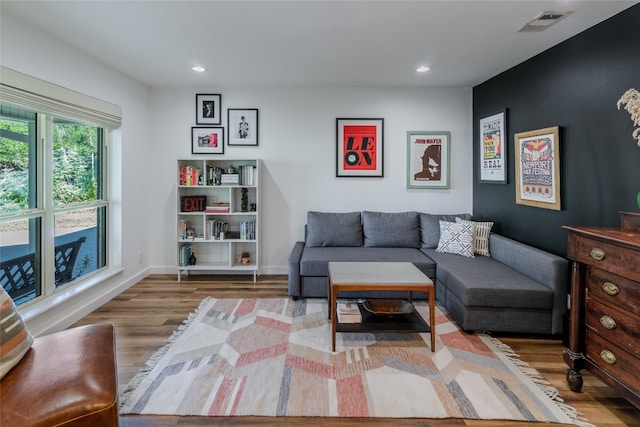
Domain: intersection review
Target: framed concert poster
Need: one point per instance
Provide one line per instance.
(537, 154)
(359, 147)
(428, 159)
(493, 149)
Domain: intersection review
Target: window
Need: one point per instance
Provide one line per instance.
(53, 202)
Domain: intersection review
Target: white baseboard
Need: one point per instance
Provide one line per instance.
(262, 270)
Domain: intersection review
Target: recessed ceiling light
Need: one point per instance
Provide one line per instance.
(198, 69)
(423, 68)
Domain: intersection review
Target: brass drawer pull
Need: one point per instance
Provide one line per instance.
(610, 288)
(598, 254)
(608, 322)
(608, 357)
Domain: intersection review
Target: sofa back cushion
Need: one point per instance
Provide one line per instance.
(391, 230)
(430, 228)
(333, 229)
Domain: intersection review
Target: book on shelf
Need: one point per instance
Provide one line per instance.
(213, 229)
(184, 253)
(230, 179)
(247, 174)
(348, 312)
(215, 208)
(214, 174)
(182, 231)
(189, 175)
(248, 230)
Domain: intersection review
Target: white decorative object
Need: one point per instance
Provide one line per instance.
(631, 100)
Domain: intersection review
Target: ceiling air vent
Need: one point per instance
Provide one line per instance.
(543, 21)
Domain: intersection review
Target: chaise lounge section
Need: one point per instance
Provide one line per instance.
(516, 288)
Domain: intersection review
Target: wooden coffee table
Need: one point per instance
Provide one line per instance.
(380, 276)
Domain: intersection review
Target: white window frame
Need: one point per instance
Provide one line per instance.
(51, 101)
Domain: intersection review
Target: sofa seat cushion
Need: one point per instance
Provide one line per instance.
(485, 282)
(314, 261)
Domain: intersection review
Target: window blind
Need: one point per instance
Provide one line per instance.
(23, 91)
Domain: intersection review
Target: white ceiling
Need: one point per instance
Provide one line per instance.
(297, 42)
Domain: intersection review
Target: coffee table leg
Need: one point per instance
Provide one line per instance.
(432, 319)
(329, 298)
(334, 319)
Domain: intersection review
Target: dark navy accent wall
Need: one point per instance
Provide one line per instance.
(574, 85)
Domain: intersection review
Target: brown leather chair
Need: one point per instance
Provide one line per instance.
(67, 378)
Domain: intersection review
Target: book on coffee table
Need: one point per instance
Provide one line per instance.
(349, 312)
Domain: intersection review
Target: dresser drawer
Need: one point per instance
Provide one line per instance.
(614, 289)
(606, 256)
(614, 325)
(612, 359)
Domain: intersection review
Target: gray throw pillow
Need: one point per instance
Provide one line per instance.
(430, 228)
(391, 230)
(334, 229)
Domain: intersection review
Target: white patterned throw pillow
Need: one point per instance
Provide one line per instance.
(481, 235)
(456, 238)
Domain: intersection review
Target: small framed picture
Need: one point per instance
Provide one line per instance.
(493, 149)
(537, 154)
(428, 161)
(208, 109)
(207, 140)
(359, 148)
(242, 124)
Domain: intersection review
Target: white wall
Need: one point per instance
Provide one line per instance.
(27, 50)
(297, 143)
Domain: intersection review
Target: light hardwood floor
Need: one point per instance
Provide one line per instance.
(146, 314)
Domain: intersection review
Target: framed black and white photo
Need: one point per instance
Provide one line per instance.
(208, 109)
(207, 140)
(242, 126)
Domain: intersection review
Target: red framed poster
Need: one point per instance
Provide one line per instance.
(359, 150)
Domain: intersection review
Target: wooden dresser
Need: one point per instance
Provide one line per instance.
(604, 323)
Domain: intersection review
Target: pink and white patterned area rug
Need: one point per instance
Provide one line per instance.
(272, 357)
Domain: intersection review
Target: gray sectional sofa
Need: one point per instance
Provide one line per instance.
(518, 288)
